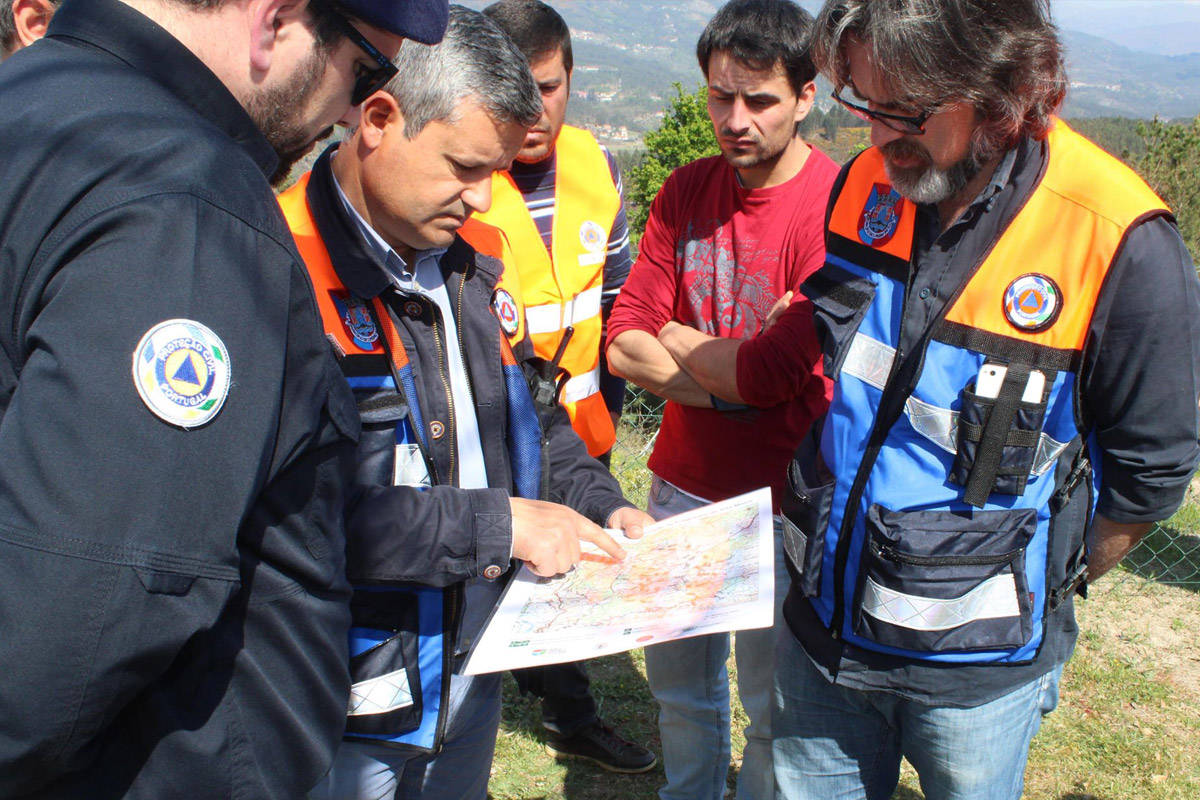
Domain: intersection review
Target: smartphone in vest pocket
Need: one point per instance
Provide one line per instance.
(991, 378)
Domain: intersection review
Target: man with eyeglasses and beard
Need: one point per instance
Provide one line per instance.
(1009, 317)
(175, 432)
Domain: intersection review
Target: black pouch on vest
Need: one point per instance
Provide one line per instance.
(997, 461)
(840, 300)
(396, 614)
(943, 581)
(805, 510)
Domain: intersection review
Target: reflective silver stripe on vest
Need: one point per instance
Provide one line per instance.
(554, 317)
(993, 599)
(870, 361)
(380, 695)
(581, 386)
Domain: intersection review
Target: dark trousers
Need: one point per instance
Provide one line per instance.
(567, 703)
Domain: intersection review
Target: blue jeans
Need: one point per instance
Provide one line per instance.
(689, 680)
(365, 771)
(836, 743)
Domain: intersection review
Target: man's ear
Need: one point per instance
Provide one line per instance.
(379, 115)
(271, 21)
(804, 102)
(30, 18)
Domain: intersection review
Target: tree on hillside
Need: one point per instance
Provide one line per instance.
(1118, 135)
(685, 134)
(1172, 167)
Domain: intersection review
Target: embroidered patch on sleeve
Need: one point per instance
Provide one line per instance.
(182, 372)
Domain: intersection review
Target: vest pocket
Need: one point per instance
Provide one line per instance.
(385, 696)
(840, 300)
(1020, 443)
(944, 581)
(805, 509)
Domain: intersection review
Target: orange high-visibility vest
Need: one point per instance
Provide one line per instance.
(564, 288)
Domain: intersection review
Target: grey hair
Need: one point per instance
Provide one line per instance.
(8, 27)
(475, 61)
(1001, 57)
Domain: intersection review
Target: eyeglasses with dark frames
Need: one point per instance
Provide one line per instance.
(370, 81)
(913, 126)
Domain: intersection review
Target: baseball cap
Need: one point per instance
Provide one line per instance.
(420, 20)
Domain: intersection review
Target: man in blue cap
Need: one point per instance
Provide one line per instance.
(176, 435)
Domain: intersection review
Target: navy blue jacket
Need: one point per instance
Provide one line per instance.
(172, 602)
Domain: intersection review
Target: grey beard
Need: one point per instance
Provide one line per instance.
(931, 185)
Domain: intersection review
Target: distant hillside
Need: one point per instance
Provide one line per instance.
(628, 53)
(1109, 80)
(1165, 27)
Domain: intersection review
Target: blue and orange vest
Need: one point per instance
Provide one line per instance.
(934, 521)
(402, 638)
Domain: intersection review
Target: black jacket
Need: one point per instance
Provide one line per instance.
(172, 602)
(443, 535)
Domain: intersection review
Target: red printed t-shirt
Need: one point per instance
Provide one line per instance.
(716, 257)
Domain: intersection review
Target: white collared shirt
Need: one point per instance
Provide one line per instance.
(427, 280)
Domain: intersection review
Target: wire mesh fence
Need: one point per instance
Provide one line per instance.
(1170, 553)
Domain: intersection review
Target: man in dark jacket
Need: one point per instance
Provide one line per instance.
(174, 434)
(429, 335)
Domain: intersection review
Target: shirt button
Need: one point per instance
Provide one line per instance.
(492, 572)
(924, 293)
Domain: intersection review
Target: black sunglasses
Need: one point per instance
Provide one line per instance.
(913, 126)
(371, 81)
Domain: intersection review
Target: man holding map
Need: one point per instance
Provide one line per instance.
(453, 450)
(728, 239)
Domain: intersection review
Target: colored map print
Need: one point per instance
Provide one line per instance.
(708, 562)
(705, 571)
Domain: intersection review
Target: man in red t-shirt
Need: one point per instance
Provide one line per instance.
(729, 239)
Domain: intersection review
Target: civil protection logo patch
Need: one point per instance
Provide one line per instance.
(505, 309)
(182, 372)
(592, 236)
(356, 319)
(881, 216)
(1032, 303)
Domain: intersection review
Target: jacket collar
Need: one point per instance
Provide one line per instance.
(135, 39)
(356, 263)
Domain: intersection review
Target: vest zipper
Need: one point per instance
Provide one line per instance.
(462, 352)
(892, 554)
(842, 553)
(452, 422)
(449, 629)
(850, 515)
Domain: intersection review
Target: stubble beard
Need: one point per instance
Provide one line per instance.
(759, 155)
(279, 114)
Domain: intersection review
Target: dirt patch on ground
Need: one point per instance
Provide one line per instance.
(1148, 624)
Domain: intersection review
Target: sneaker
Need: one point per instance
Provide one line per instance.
(601, 745)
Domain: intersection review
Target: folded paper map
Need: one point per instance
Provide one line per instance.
(708, 570)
